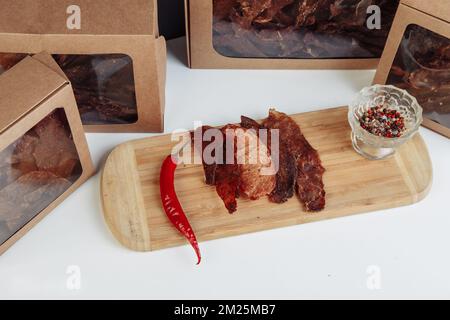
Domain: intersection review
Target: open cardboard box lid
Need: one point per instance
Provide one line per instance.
(437, 8)
(98, 17)
(28, 84)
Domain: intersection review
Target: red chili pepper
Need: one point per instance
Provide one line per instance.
(172, 205)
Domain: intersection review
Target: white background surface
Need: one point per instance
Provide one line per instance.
(409, 246)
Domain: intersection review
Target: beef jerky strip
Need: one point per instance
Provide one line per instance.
(227, 176)
(254, 182)
(248, 10)
(270, 13)
(232, 180)
(222, 8)
(309, 170)
(310, 11)
(287, 172)
(22, 157)
(99, 109)
(55, 152)
(209, 169)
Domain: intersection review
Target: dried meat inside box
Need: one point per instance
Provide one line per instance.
(288, 33)
(43, 150)
(417, 58)
(109, 49)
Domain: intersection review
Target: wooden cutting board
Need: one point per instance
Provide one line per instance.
(132, 204)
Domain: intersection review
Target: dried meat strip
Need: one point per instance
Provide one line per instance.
(55, 151)
(223, 8)
(300, 164)
(227, 176)
(285, 178)
(209, 168)
(271, 13)
(287, 172)
(235, 177)
(257, 180)
(299, 168)
(249, 10)
(310, 186)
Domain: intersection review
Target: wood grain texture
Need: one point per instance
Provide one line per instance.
(132, 205)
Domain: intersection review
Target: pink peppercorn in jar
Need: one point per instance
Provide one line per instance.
(382, 119)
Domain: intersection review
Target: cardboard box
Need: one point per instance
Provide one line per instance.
(417, 58)
(110, 50)
(43, 151)
(322, 34)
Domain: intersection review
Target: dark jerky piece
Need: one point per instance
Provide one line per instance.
(233, 179)
(271, 13)
(249, 123)
(78, 68)
(227, 177)
(55, 151)
(248, 10)
(336, 28)
(309, 12)
(285, 178)
(288, 155)
(310, 186)
(295, 151)
(209, 168)
(223, 8)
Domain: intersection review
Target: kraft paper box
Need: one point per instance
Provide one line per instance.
(287, 34)
(43, 151)
(109, 49)
(417, 58)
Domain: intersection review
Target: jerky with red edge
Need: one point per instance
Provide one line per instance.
(227, 176)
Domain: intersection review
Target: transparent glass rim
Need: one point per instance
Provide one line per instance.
(369, 137)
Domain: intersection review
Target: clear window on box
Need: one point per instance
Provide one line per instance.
(302, 29)
(103, 84)
(35, 170)
(422, 67)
